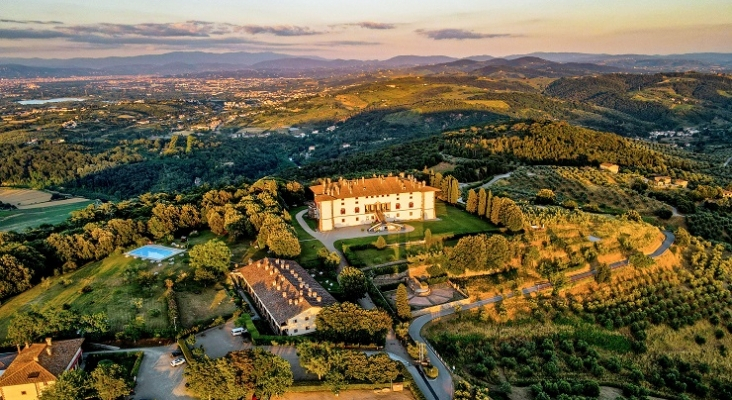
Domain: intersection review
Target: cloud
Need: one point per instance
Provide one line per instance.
(459, 34)
(374, 25)
(25, 21)
(30, 34)
(171, 41)
(178, 29)
(278, 30)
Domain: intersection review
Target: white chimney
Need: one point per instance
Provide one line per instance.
(319, 299)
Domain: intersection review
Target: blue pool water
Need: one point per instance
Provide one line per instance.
(154, 252)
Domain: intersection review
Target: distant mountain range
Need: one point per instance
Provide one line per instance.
(268, 63)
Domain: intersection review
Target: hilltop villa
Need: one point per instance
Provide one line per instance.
(367, 201)
(284, 293)
(38, 366)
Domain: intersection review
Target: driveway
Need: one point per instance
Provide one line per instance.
(329, 238)
(157, 379)
(218, 342)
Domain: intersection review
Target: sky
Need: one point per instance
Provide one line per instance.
(366, 29)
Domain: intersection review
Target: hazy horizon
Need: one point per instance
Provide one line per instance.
(374, 30)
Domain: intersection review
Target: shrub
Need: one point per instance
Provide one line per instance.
(431, 371)
(700, 340)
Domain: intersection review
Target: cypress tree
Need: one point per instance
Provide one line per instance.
(482, 198)
(454, 191)
(488, 204)
(404, 311)
(472, 203)
(496, 205)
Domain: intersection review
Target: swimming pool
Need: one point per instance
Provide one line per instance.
(154, 252)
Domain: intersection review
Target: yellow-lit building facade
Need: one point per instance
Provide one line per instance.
(366, 201)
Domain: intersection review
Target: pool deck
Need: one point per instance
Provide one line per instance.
(160, 248)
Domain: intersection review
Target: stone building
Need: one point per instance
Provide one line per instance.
(284, 293)
(366, 201)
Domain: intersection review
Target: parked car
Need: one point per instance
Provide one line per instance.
(178, 361)
(176, 353)
(238, 331)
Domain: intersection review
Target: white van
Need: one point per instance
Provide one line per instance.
(238, 331)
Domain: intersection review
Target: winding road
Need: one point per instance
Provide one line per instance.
(442, 387)
(496, 179)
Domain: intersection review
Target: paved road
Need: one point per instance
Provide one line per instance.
(496, 179)
(726, 163)
(442, 387)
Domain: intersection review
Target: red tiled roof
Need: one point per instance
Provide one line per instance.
(34, 364)
(298, 291)
(345, 188)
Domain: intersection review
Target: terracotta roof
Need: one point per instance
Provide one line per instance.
(285, 288)
(34, 364)
(376, 186)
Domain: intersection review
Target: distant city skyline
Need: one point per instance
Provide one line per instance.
(375, 29)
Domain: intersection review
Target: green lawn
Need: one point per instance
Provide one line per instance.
(309, 245)
(452, 221)
(123, 301)
(20, 220)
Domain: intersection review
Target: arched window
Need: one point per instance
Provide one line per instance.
(358, 210)
(398, 206)
(411, 204)
(343, 211)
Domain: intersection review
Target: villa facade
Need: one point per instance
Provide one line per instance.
(366, 201)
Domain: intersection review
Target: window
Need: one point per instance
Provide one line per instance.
(307, 328)
(398, 206)
(343, 211)
(343, 220)
(410, 213)
(356, 218)
(411, 204)
(307, 318)
(23, 392)
(358, 210)
(397, 215)
(294, 321)
(295, 330)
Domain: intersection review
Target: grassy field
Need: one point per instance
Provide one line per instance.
(19, 220)
(122, 300)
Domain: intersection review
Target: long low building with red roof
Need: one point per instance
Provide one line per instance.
(284, 293)
(365, 201)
